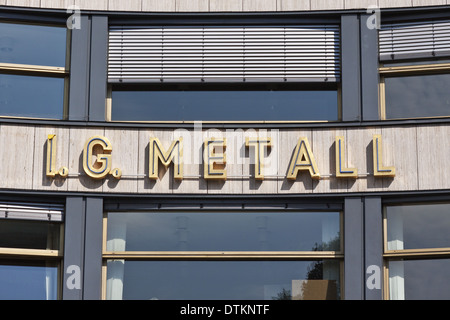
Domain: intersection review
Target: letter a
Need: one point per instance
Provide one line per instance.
(303, 159)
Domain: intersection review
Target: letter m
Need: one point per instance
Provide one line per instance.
(174, 154)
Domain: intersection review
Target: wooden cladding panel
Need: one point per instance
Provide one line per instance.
(433, 164)
(221, 5)
(17, 156)
(419, 154)
(359, 145)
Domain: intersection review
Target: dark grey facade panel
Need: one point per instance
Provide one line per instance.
(369, 70)
(93, 250)
(373, 248)
(79, 71)
(82, 269)
(98, 68)
(353, 249)
(351, 92)
(73, 249)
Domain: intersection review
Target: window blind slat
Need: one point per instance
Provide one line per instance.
(142, 54)
(414, 40)
(31, 211)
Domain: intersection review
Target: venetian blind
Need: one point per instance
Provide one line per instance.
(31, 211)
(414, 40)
(224, 53)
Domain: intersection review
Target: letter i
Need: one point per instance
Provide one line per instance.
(51, 159)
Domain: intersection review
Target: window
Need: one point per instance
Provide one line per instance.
(417, 251)
(224, 73)
(31, 251)
(414, 75)
(223, 255)
(33, 70)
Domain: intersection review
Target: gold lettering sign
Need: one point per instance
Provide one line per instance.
(102, 166)
(258, 144)
(175, 154)
(303, 159)
(214, 159)
(51, 159)
(378, 169)
(341, 170)
(97, 158)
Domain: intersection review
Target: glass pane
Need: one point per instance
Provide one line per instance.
(223, 280)
(29, 234)
(33, 44)
(417, 96)
(418, 226)
(225, 105)
(30, 96)
(419, 279)
(223, 231)
(33, 280)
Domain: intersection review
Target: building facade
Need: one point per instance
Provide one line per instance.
(225, 150)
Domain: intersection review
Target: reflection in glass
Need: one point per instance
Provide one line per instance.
(33, 44)
(224, 105)
(223, 280)
(29, 234)
(418, 226)
(34, 280)
(419, 279)
(223, 231)
(31, 96)
(417, 96)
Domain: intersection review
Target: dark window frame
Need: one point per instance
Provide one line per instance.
(405, 68)
(224, 205)
(224, 87)
(19, 255)
(41, 70)
(231, 19)
(408, 254)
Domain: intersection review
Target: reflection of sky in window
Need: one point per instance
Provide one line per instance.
(232, 105)
(417, 96)
(227, 231)
(28, 282)
(205, 280)
(423, 226)
(31, 96)
(32, 44)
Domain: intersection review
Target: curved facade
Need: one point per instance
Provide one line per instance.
(226, 150)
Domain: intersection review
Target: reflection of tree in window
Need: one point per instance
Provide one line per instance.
(283, 295)
(315, 287)
(332, 245)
